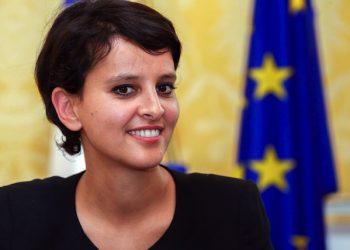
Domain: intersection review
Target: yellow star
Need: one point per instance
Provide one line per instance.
(272, 170)
(300, 242)
(296, 5)
(270, 78)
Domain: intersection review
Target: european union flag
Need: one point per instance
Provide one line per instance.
(69, 2)
(284, 142)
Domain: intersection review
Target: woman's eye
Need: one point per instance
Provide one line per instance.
(165, 89)
(123, 90)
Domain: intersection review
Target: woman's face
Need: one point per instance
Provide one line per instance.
(128, 109)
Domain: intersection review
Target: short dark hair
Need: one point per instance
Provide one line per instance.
(81, 36)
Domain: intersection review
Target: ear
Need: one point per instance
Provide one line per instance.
(65, 105)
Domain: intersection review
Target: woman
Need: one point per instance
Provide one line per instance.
(106, 74)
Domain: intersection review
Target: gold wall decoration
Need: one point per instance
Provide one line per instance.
(24, 131)
(334, 40)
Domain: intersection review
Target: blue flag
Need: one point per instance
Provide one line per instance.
(284, 142)
(69, 2)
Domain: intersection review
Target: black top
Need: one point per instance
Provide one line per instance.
(212, 212)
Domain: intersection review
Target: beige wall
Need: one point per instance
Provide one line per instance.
(214, 36)
(24, 131)
(334, 46)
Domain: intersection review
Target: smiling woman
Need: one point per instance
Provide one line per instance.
(118, 117)
(106, 74)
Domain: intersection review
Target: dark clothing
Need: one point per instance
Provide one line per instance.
(212, 212)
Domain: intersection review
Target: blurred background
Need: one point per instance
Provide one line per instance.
(215, 36)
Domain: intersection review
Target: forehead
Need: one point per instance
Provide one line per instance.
(127, 56)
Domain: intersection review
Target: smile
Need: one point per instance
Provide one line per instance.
(145, 132)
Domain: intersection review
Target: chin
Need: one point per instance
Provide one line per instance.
(150, 163)
(146, 162)
(144, 159)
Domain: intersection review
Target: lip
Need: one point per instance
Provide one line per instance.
(146, 139)
(147, 127)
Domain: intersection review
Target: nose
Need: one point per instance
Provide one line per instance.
(150, 107)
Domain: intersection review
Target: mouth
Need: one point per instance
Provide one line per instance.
(147, 133)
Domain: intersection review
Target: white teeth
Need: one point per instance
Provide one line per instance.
(145, 132)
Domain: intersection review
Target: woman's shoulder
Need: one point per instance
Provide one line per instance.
(223, 209)
(38, 187)
(215, 185)
(210, 193)
(220, 181)
(36, 195)
(30, 210)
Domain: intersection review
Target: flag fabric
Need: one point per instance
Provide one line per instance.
(69, 2)
(284, 142)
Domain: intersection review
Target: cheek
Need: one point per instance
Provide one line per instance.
(117, 117)
(100, 117)
(172, 112)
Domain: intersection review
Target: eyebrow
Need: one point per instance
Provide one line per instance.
(127, 77)
(169, 76)
(120, 77)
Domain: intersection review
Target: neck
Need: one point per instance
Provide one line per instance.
(124, 194)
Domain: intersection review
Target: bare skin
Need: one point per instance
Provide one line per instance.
(126, 212)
